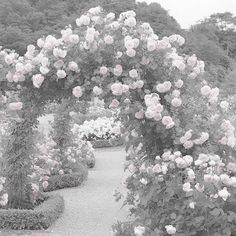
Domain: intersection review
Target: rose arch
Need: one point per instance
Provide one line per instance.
(178, 140)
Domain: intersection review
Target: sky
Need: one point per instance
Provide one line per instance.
(189, 12)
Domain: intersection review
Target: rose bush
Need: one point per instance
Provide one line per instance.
(179, 137)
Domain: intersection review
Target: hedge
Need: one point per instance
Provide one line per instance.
(66, 180)
(41, 217)
(107, 143)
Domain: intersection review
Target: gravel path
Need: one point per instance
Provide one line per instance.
(90, 209)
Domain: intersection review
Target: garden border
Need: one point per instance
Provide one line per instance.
(41, 217)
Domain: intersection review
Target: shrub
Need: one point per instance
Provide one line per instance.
(40, 218)
(66, 180)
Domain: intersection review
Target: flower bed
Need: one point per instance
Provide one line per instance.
(39, 218)
(66, 181)
(101, 132)
(107, 143)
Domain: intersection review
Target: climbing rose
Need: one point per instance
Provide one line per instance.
(61, 74)
(117, 89)
(117, 70)
(224, 194)
(224, 105)
(103, 70)
(179, 83)
(73, 66)
(176, 102)
(15, 106)
(170, 229)
(83, 20)
(77, 91)
(130, 22)
(37, 80)
(45, 184)
(205, 90)
(114, 103)
(163, 87)
(133, 73)
(131, 53)
(108, 39)
(97, 91)
(139, 230)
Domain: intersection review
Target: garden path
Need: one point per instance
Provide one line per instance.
(90, 209)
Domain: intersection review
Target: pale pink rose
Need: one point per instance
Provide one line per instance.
(118, 70)
(74, 38)
(83, 20)
(61, 172)
(103, 70)
(108, 39)
(176, 93)
(136, 42)
(37, 80)
(166, 120)
(188, 159)
(40, 43)
(61, 74)
(110, 16)
(224, 194)
(73, 66)
(164, 87)
(97, 91)
(179, 64)
(139, 115)
(129, 43)
(125, 88)
(130, 22)
(179, 83)
(191, 61)
(59, 53)
(187, 187)
(139, 84)
(133, 73)
(117, 89)
(188, 144)
(58, 64)
(208, 178)
(199, 188)
(114, 103)
(151, 44)
(131, 53)
(176, 102)
(180, 40)
(205, 90)
(43, 70)
(192, 75)
(224, 105)
(191, 174)
(45, 184)
(15, 106)
(77, 91)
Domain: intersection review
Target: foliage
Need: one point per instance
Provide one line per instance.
(67, 180)
(41, 217)
(177, 131)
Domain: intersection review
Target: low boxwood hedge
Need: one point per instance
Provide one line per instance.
(66, 180)
(41, 217)
(107, 143)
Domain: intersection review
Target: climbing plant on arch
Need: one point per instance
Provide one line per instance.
(179, 142)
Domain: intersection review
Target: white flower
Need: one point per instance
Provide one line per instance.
(187, 187)
(15, 106)
(83, 20)
(198, 188)
(40, 43)
(205, 90)
(114, 103)
(43, 70)
(77, 91)
(225, 179)
(192, 205)
(108, 39)
(224, 194)
(74, 38)
(151, 44)
(133, 73)
(130, 22)
(157, 168)
(110, 16)
(103, 70)
(224, 105)
(191, 61)
(191, 174)
(61, 74)
(167, 121)
(170, 229)
(176, 102)
(139, 230)
(179, 64)
(4, 199)
(95, 10)
(129, 43)
(37, 80)
(61, 172)
(73, 66)
(97, 91)
(143, 181)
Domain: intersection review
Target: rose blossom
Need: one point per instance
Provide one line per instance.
(73, 66)
(61, 74)
(97, 91)
(37, 80)
(133, 73)
(15, 106)
(139, 230)
(103, 70)
(77, 91)
(170, 229)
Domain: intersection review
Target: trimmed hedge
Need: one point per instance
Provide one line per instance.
(41, 217)
(107, 143)
(66, 180)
